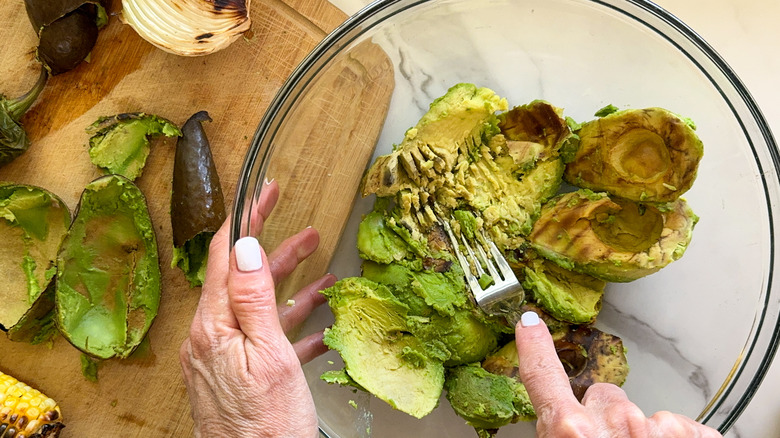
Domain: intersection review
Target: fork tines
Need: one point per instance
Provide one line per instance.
(477, 262)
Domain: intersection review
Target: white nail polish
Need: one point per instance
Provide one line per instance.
(248, 256)
(529, 319)
(269, 181)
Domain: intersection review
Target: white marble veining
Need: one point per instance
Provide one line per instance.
(745, 33)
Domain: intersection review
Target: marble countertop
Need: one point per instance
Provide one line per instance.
(745, 33)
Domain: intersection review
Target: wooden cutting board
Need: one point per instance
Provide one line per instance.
(144, 395)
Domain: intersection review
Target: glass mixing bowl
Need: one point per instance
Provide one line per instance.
(700, 333)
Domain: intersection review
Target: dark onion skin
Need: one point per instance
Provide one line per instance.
(67, 30)
(197, 203)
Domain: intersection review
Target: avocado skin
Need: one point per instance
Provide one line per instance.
(67, 30)
(120, 144)
(108, 274)
(197, 201)
(33, 223)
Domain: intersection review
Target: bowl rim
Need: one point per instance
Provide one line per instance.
(248, 186)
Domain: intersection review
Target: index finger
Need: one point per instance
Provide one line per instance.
(541, 370)
(213, 300)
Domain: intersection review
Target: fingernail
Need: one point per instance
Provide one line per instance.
(529, 319)
(248, 256)
(269, 181)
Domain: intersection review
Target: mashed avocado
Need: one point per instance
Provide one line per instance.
(457, 156)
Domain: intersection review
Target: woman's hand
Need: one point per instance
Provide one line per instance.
(243, 376)
(605, 411)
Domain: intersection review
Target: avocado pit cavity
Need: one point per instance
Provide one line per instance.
(631, 228)
(640, 155)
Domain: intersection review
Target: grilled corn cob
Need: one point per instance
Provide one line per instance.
(25, 412)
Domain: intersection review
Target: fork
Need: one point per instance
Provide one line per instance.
(504, 295)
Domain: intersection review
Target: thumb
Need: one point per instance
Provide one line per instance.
(251, 291)
(541, 370)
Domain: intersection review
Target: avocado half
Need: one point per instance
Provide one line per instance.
(33, 223)
(612, 239)
(588, 356)
(372, 335)
(648, 155)
(108, 273)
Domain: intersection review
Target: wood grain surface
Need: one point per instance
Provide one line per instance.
(144, 395)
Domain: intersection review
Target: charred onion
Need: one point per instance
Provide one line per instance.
(188, 27)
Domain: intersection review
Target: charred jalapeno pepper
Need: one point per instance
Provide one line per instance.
(13, 137)
(67, 30)
(197, 203)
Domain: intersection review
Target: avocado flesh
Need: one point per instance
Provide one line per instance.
(37, 325)
(439, 313)
(120, 144)
(192, 258)
(591, 356)
(372, 335)
(456, 157)
(108, 274)
(442, 292)
(14, 290)
(535, 131)
(499, 177)
(612, 239)
(33, 223)
(451, 129)
(648, 155)
(486, 400)
(566, 295)
(377, 242)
